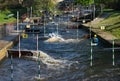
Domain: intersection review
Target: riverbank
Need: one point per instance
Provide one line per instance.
(99, 26)
(7, 43)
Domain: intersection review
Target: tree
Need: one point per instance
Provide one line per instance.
(43, 5)
(115, 4)
(84, 2)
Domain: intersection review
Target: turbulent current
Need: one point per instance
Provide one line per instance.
(64, 60)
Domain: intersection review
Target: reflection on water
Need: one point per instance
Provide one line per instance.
(24, 70)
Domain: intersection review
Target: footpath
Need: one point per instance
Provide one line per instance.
(7, 43)
(105, 36)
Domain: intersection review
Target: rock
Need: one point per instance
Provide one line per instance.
(86, 36)
(42, 54)
(74, 26)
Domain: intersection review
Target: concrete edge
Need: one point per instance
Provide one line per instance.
(3, 51)
(108, 43)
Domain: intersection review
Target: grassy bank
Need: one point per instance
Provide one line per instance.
(111, 23)
(4, 17)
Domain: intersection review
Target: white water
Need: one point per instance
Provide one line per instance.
(52, 62)
(54, 37)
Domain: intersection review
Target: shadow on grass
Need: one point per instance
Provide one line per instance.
(114, 26)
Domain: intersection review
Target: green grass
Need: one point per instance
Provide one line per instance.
(112, 23)
(4, 19)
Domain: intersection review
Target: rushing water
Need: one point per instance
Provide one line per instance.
(68, 60)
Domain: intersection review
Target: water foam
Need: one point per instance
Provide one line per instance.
(54, 37)
(51, 62)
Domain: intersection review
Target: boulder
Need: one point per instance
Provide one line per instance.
(86, 36)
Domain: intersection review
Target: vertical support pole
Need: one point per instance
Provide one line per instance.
(72, 7)
(17, 21)
(19, 47)
(94, 10)
(57, 28)
(11, 67)
(58, 25)
(28, 15)
(113, 56)
(77, 25)
(39, 65)
(37, 42)
(31, 12)
(44, 25)
(67, 21)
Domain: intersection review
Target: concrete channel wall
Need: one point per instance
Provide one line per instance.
(6, 29)
(108, 43)
(2, 31)
(9, 42)
(3, 51)
(7, 38)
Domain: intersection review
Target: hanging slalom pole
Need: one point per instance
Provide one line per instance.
(77, 31)
(77, 25)
(38, 59)
(11, 67)
(39, 65)
(91, 52)
(113, 56)
(19, 47)
(37, 42)
(57, 25)
(91, 55)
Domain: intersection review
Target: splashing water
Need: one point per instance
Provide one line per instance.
(50, 61)
(54, 37)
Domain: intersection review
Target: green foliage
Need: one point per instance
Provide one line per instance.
(43, 5)
(84, 2)
(4, 18)
(115, 4)
(6, 11)
(112, 23)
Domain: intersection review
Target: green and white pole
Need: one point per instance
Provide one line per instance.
(19, 46)
(11, 67)
(91, 49)
(38, 59)
(39, 66)
(91, 55)
(113, 51)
